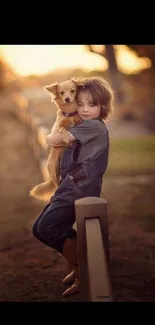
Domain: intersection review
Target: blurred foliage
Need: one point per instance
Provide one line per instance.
(9, 80)
(134, 93)
(108, 51)
(145, 51)
(2, 83)
(132, 156)
(145, 95)
(139, 104)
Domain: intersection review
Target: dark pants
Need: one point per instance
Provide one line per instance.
(54, 225)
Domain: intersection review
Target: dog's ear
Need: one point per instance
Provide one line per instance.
(52, 88)
(74, 80)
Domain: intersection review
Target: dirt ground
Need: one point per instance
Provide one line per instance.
(30, 271)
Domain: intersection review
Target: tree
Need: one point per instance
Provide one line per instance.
(145, 51)
(115, 75)
(1, 75)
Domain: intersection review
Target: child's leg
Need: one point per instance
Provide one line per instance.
(35, 226)
(54, 225)
(54, 228)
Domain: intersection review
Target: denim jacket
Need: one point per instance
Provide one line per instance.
(84, 163)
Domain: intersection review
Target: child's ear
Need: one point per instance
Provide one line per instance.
(52, 88)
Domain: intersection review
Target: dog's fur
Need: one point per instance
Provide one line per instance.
(63, 95)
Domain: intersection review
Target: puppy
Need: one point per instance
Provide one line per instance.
(64, 96)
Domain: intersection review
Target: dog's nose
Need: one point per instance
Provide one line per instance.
(67, 99)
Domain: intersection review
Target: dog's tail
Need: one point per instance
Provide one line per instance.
(44, 191)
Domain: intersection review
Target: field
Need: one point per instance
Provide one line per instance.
(30, 271)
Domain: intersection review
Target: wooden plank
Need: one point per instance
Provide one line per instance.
(41, 133)
(99, 284)
(21, 106)
(86, 209)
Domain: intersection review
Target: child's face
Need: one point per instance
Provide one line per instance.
(86, 108)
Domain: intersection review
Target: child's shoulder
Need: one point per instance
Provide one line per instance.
(95, 124)
(93, 121)
(89, 130)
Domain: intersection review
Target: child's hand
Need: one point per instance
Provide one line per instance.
(54, 129)
(55, 138)
(51, 143)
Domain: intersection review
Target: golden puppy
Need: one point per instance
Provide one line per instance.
(63, 95)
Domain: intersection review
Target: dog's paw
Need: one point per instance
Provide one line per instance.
(65, 137)
(65, 134)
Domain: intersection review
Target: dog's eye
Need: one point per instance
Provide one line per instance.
(73, 91)
(61, 92)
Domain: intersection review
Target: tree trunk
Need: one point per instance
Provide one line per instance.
(1, 76)
(115, 75)
(111, 59)
(114, 72)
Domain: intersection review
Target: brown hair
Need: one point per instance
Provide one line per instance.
(100, 91)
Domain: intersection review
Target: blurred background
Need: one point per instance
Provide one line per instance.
(128, 68)
(129, 183)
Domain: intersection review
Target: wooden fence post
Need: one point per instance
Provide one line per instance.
(93, 249)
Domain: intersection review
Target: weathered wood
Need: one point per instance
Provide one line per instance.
(99, 283)
(36, 131)
(93, 248)
(38, 143)
(21, 106)
(41, 133)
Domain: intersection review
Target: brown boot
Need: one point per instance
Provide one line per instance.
(69, 279)
(70, 253)
(75, 288)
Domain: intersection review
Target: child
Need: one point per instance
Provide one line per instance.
(81, 169)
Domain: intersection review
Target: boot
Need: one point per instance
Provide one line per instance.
(70, 253)
(75, 287)
(69, 279)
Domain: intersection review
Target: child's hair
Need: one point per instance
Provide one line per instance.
(100, 91)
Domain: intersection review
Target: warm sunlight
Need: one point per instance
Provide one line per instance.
(128, 62)
(40, 59)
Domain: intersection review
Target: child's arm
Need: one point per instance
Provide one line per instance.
(54, 139)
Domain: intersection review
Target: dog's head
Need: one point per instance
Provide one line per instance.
(63, 92)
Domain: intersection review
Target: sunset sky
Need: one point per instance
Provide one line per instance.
(40, 59)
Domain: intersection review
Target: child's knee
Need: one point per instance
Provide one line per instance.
(46, 231)
(51, 226)
(34, 230)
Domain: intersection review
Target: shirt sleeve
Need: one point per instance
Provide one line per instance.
(86, 131)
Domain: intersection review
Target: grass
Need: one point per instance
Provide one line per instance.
(134, 199)
(130, 156)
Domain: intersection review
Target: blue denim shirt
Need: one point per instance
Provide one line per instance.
(83, 164)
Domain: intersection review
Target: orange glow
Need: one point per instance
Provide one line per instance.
(40, 59)
(128, 62)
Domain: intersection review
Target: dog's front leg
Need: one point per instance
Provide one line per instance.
(64, 133)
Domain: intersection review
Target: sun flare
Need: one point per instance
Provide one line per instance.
(41, 59)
